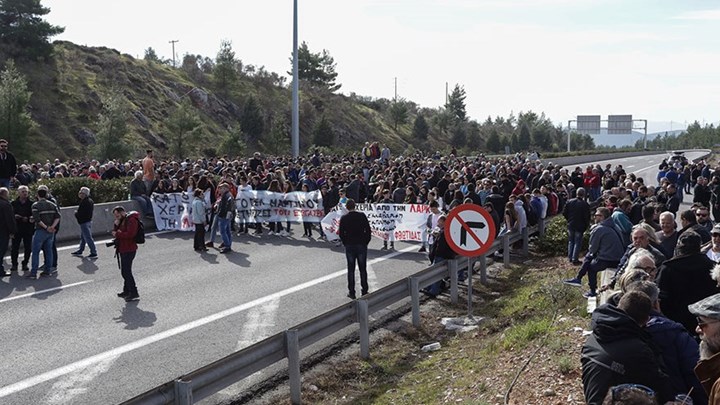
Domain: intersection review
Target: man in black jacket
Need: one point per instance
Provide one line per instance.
(7, 227)
(355, 235)
(22, 209)
(619, 351)
(577, 214)
(84, 216)
(8, 165)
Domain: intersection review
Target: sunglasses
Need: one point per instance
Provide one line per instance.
(702, 323)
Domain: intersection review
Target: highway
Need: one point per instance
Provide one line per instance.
(70, 339)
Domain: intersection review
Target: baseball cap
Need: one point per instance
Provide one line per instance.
(716, 229)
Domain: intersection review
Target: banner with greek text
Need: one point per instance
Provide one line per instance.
(173, 211)
(390, 222)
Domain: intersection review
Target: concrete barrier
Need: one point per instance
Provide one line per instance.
(103, 220)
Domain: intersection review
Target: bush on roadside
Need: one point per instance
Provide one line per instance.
(555, 240)
(65, 190)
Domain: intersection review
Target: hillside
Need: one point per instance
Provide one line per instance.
(68, 92)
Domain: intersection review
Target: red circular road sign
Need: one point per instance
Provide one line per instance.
(469, 230)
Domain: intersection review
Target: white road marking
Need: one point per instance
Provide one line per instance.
(372, 279)
(65, 390)
(89, 361)
(258, 323)
(62, 287)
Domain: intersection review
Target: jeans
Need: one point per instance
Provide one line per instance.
(42, 239)
(225, 233)
(145, 204)
(126, 260)
(356, 253)
(592, 267)
(214, 228)
(575, 240)
(86, 238)
(436, 288)
(5, 182)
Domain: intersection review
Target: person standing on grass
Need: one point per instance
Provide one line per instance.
(577, 214)
(84, 216)
(355, 234)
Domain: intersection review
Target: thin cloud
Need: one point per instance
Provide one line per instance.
(708, 15)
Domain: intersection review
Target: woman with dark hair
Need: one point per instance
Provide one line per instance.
(276, 227)
(199, 220)
(287, 188)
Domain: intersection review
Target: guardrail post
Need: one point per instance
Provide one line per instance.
(526, 241)
(362, 313)
(183, 392)
(415, 300)
(541, 227)
(483, 269)
(453, 270)
(506, 250)
(292, 347)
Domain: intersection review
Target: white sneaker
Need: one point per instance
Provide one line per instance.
(284, 233)
(271, 233)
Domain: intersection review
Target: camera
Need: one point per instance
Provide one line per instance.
(110, 244)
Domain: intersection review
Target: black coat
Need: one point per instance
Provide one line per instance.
(619, 351)
(7, 218)
(684, 280)
(577, 214)
(84, 212)
(8, 166)
(354, 229)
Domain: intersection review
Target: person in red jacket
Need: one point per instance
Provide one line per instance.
(124, 231)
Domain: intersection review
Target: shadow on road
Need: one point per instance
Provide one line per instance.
(134, 317)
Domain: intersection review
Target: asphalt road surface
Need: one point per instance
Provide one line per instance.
(70, 340)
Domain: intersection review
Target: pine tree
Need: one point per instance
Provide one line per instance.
(15, 121)
(23, 32)
(456, 104)
(225, 74)
(279, 137)
(459, 136)
(420, 128)
(316, 69)
(233, 143)
(112, 128)
(252, 122)
(184, 126)
(493, 142)
(323, 134)
(399, 113)
(524, 138)
(151, 55)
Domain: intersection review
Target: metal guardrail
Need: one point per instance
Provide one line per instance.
(214, 377)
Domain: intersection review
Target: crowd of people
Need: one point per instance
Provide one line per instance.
(646, 334)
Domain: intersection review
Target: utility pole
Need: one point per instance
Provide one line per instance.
(295, 88)
(446, 93)
(173, 49)
(396, 89)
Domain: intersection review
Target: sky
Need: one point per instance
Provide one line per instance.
(655, 59)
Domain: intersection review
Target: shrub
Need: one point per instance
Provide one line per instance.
(65, 190)
(555, 240)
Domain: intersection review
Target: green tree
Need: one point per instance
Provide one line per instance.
(280, 137)
(316, 69)
(524, 138)
(323, 134)
(420, 128)
(459, 135)
(23, 32)
(473, 136)
(15, 121)
(233, 143)
(225, 74)
(493, 142)
(184, 125)
(456, 104)
(112, 128)
(151, 55)
(399, 113)
(252, 122)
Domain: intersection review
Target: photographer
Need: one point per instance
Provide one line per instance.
(124, 230)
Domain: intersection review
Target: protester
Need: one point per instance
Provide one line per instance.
(8, 165)
(84, 215)
(198, 218)
(355, 235)
(707, 370)
(577, 214)
(125, 228)
(22, 210)
(46, 217)
(225, 214)
(7, 227)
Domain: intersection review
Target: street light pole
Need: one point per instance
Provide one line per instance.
(295, 88)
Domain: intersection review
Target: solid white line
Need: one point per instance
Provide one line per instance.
(62, 287)
(81, 364)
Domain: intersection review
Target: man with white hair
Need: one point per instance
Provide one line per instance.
(138, 193)
(7, 227)
(84, 216)
(707, 313)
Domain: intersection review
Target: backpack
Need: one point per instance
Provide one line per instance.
(140, 234)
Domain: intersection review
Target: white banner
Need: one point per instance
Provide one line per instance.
(173, 210)
(387, 221)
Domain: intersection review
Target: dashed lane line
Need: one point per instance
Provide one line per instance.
(62, 287)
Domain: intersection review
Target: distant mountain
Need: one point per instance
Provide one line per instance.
(629, 140)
